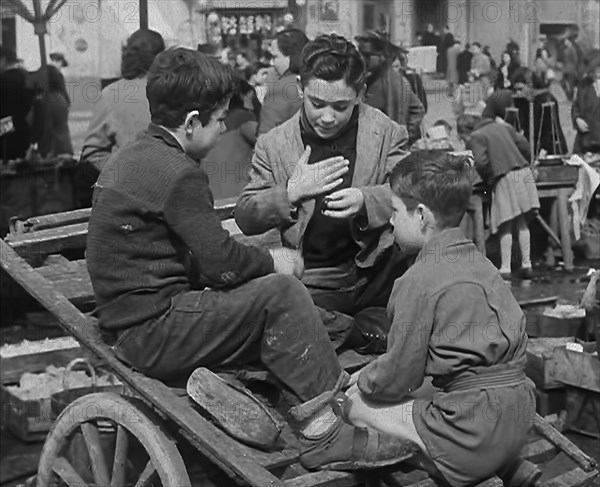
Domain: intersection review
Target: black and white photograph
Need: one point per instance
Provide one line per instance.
(300, 243)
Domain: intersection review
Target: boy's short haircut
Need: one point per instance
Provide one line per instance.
(436, 179)
(443, 123)
(467, 123)
(181, 80)
(333, 58)
(253, 69)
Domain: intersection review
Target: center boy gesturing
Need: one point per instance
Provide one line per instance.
(320, 178)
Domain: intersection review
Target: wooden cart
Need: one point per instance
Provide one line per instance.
(156, 435)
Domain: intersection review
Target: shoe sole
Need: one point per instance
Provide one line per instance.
(360, 465)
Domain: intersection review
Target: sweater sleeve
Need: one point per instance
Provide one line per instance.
(219, 261)
(401, 370)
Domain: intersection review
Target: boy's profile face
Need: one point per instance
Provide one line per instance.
(204, 138)
(408, 226)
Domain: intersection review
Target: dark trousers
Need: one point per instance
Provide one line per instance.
(362, 288)
(362, 294)
(270, 320)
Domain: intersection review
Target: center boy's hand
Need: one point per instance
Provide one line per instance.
(288, 261)
(344, 203)
(310, 180)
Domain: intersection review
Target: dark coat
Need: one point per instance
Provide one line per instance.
(497, 149)
(281, 102)
(587, 106)
(15, 101)
(403, 107)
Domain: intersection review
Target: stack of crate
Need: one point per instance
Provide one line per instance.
(541, 369)
(578, 368)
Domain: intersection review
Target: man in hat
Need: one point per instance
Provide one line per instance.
(585, 112)
(387, 90)
(58, 60)
(15, 104)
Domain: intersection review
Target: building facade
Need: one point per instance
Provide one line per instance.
(90, 32)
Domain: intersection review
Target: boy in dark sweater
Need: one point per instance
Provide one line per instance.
(174, 290)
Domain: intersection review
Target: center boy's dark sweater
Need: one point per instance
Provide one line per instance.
(328, 241)
(154, 233)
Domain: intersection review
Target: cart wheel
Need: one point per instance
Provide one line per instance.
(105, 426)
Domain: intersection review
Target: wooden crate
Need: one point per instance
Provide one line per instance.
(539, 325)
(550, 402)
(30, 420)
(578, 369)
(583, 411)
(580, 372)
(540, 361)
(557, 174)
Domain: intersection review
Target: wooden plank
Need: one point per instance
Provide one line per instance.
(36, 245)
(53, 220)
(212, 442)
(223, 207)
(14, 367)
(51, 241)
(326, 479)
(71, 280)
(577, 369)
(574, 478)
(586, 462)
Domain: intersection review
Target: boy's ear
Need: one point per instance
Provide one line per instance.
(426, 216)
(188, 125)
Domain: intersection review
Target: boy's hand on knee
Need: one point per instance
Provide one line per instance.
(288, 261)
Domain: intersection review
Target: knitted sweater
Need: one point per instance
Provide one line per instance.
(154, 233)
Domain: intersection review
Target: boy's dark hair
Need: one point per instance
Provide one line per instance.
(253, 69)
(443, 123)
(333, 58)
(476, 44)
(466, 123)
(139, 53)
(181, 80)
(291, 42)
(436, 179)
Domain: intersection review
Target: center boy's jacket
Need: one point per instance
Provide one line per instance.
(264, 203)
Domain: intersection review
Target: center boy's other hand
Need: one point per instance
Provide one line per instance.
(310, 180)
(344, 203)
(288, 261)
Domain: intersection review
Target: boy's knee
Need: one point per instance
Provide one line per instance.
(285, 286)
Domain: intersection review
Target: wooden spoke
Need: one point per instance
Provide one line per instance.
(146, 476)
(120, 460)
(92, 441)
(65, 471)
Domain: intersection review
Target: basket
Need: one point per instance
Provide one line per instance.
(60, 400)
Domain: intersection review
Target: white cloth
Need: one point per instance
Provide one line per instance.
(588, 182)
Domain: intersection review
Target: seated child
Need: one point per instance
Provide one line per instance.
(502, 160)
(455, 320)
